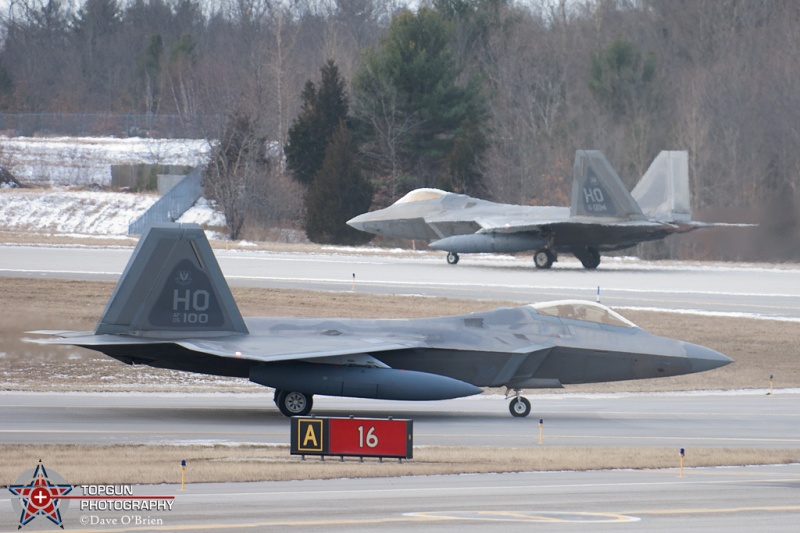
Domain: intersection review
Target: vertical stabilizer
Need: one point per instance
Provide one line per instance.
(663, 191)
(598, 191)
(173, 285)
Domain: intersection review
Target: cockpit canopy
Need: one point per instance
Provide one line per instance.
(583, 310)
(419, 195)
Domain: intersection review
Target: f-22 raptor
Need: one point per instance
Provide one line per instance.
(603, 216)
(172, 308)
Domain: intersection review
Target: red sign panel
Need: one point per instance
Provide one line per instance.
(370, 437)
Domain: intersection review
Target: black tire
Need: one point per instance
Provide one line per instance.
(294, 403)
(520, 407)
(452, 258)
(543, 259)
(590, 259)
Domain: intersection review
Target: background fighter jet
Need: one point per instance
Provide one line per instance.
(603, 217)
(173, 309)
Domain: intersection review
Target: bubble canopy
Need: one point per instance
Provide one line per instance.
(583, 310)
(419, 195)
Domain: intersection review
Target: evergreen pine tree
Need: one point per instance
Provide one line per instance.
(322, 110)
(417, 118)
(338, 193)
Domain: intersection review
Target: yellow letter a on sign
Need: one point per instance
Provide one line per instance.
(310, 436)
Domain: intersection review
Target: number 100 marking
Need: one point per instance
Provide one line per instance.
(195, 318)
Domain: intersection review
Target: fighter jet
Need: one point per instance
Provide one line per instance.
(603, 216)
(172, 308)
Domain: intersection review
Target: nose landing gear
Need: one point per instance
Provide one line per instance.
(519, 406)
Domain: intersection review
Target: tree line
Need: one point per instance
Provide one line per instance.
(487, 97)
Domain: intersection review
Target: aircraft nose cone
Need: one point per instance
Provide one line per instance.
(357, 222)
(703, 358)
(367, 222)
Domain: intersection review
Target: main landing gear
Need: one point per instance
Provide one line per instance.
(519, 406)
(452, 258)
(544, 258)
(589, 257)
(294, 403)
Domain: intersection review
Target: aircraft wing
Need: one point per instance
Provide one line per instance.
(342, 349)
(250, 347)
(516, 224)
(640, 228)
(508, 225)
(274, 349)
(696, 225)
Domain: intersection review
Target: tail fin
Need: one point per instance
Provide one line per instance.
(172, 285)
(597, 190)
(663, 191)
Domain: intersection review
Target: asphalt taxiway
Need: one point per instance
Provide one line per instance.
(730, 500)
(726, 288)
(682, 420)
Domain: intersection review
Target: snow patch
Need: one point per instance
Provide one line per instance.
(723, 314)
(204, 213)
(83, 212)
(80, 161)
(87, 160)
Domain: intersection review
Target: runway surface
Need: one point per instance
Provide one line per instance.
(763, 291)
(682, 420)
(727, 500)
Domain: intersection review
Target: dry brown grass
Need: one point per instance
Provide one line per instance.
(126, 464)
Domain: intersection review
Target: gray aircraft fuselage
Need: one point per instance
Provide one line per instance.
(441, 221)
(489, 349)
(172, 308)
(603, 215)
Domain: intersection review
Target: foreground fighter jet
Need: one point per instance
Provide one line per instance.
(603, 217)
(173, 309)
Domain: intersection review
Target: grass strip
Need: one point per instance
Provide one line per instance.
(150, 464)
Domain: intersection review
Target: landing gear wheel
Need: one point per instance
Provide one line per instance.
(543, 259)
(590, 259)
(452, 258)
(520, 407)
(294, 403)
